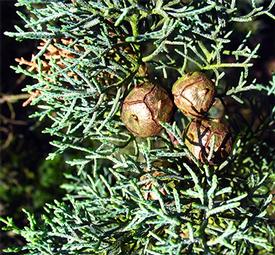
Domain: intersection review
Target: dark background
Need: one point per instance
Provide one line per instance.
(26, 179)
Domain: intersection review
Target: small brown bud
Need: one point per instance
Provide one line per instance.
(143, 109)
(194, 94)
(199, 136)
(148, 183)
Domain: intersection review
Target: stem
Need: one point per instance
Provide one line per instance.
(227, 65)
(13, 98)
(133, 23)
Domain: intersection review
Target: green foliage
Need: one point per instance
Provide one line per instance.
(197, 209)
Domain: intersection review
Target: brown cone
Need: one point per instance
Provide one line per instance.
(194, 94)
(143, 109)
(199, 135)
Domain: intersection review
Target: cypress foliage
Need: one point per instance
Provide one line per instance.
(134, 195)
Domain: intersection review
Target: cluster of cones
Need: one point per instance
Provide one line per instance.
(206, 137)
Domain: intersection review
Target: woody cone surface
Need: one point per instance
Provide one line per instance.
(194, 94)
(200, 134)
(143, 109)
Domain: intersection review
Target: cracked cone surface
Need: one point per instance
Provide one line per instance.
(144, 107)
(200, 134)
(194, 94)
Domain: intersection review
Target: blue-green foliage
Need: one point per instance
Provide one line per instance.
(195, 209)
